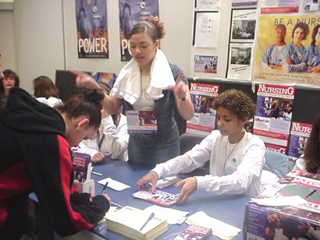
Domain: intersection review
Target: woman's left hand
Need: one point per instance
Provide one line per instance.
(189, 186)
(180, 89)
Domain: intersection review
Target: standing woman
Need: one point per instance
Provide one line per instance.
(149, 83)
(10, 79)
(314, 51)
(295, 53)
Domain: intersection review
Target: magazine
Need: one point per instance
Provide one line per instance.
(160, 197)
(80, 166)
(194, 232)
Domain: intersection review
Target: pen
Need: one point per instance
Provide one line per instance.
(117, 205)
(96, 173)
(104, 188)
(148, 220)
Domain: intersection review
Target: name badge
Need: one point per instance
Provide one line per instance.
(142, 122)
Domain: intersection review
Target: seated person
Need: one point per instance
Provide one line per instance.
(46, 92)
(310, 161)
(236, 156)
(111, 139)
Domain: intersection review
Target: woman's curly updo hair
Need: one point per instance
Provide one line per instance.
(84, 102)
(150, 25)
(237, 102)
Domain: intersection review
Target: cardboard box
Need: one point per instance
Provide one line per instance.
(287, 222)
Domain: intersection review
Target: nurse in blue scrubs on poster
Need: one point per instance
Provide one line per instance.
(314, 51)
(295, 53)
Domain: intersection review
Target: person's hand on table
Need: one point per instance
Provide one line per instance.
(151, 177)
(189, 186)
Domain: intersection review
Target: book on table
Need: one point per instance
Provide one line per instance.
(135, 223)
(194, 232)
(160, 197)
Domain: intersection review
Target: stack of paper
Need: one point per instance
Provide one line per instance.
(128, 221)
(220, 229)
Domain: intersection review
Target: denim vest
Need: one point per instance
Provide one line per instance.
(152, 149)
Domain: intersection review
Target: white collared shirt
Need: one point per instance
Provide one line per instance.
(238, 174)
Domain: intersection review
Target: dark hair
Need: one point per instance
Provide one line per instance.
(44, 87)
(305, 28)
(84, 102)
(312, 150)
(115, 116)
(237, 102)
(151, 25)
(7, 74)
(314, 33)
(282, 26)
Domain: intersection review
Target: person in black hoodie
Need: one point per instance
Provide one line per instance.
(35, 153)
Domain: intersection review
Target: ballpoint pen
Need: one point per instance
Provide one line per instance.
(104, 188)
(148, 220)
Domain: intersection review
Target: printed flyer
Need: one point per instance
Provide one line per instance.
(240, 61)
(298, 139)
(238, 3)
(277, 56)
(279, 6)
(243, 25)
(205, 64)
(130, 12)
(142, 122)
(274, 109)
(92, 31)
(204, 118)
(206, 29)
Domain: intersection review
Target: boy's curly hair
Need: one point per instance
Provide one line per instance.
(237, 102)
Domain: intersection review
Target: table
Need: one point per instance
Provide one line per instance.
(229, 209)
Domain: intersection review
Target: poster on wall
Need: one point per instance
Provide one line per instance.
(273, 115)
(243, 25)
(130, 12)
(286, 48)
(240, 61)
(204, 118)
(207, 4)
(238, 3)
(206, 29)
(205, 64)
(92, 31)
(311, 5)
(279, 6)
(299, 135)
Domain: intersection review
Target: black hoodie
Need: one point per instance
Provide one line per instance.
(36, 157)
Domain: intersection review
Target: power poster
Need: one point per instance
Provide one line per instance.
(92, 31)
(287, 48)
(130, 12)
(204, 118)
(273, 116)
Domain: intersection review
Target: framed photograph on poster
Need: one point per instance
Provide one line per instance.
(243, 25)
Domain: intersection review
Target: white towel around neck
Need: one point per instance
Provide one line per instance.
(128, 82)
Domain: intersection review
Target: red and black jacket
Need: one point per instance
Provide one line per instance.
(35, 157)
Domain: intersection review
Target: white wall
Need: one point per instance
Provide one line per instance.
(8, 41)
(39, 39)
